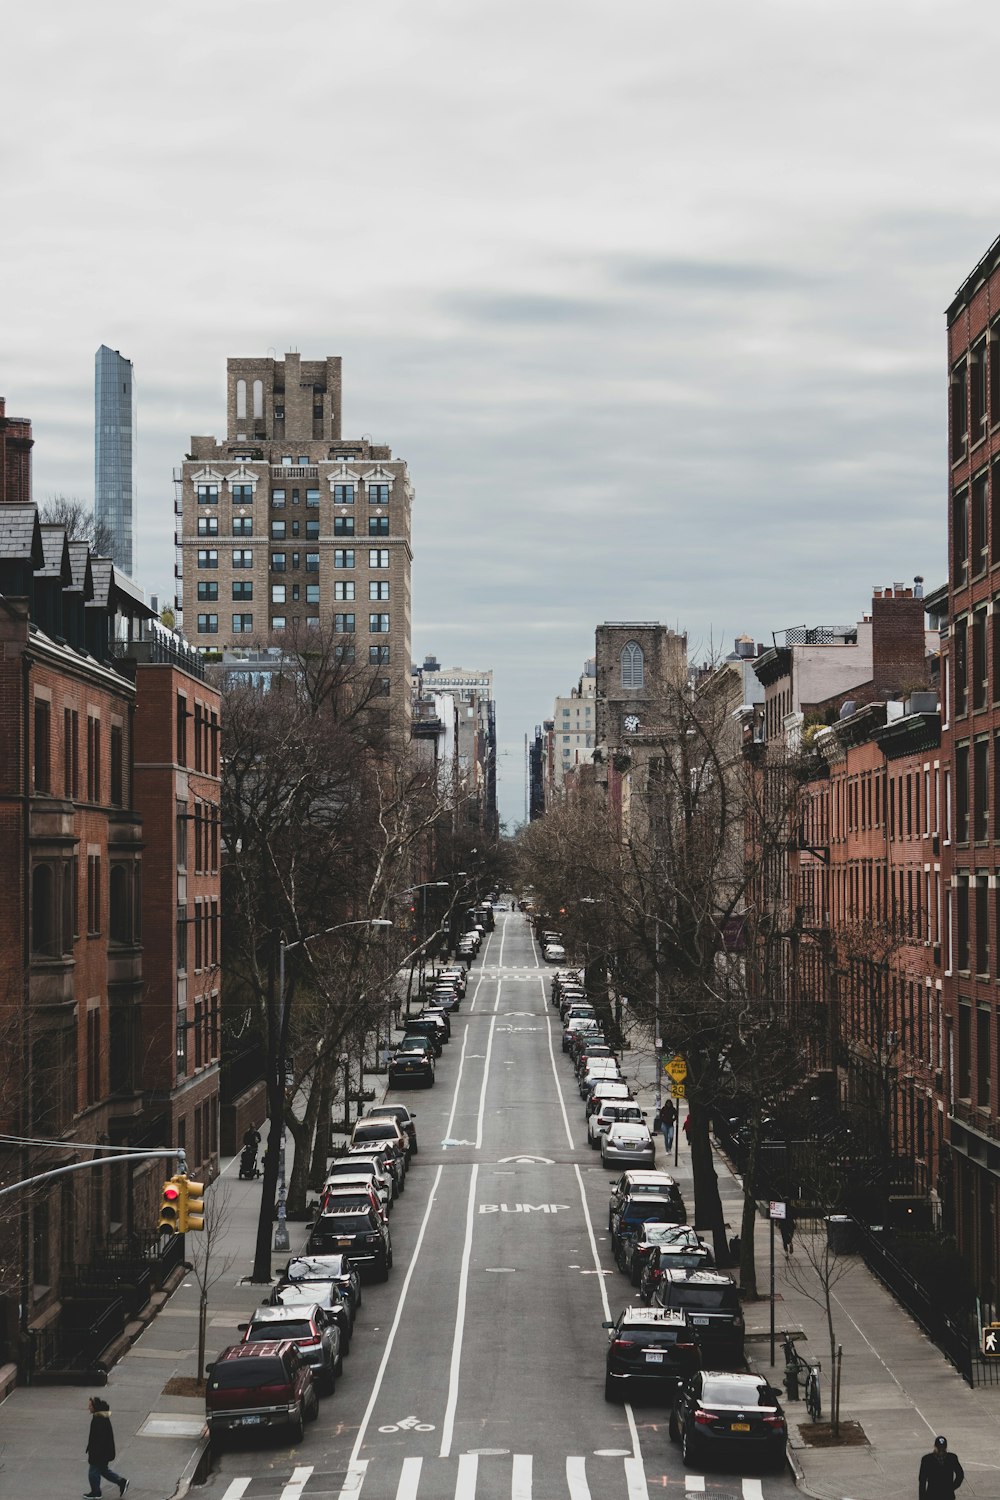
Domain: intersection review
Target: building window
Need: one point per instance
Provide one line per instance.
(258, 398)
(43, 911)
(378, 525)
(277, 593)
(93, 894)
(312, 498)
(344, 654)
(378, 656)
(312, 593)
(978, 391)
(43, 745)
(312, 562)
(343, 525)
(344, 589)
(208, 557)
(961, 664)
(277, 562)
(633, 670)
(378, 590)
(208, 494)
(960, 538)
(343, 559)
(243, 557)
(242, 624)
(241, 399)
(93, 759)
(343, 624)
(119, 924)
(278, 499)
(378, 624)
(980, 522)
(93, 1055)
(378, 494)
(208, 526)
(312, 622)
(207, 592)
(378, 557)
(242, 494)
(384, 687)
(343, 494)
(243, 526)
(959, 411)
(277, 622)
(312, 531)
(71, 753)
(243, 588)
(182, 718)
(278, 530)
(117, 766)
(208, 624)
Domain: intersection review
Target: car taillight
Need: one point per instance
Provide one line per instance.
(772, 1419)
(704, 1418)
(683, 1344)
(307, 1343)
(738, 1321)
(624, 1348)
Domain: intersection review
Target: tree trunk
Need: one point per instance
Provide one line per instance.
(202, 1321)
(322, 1142)
(748, 1260)
(275, 1114)
(303, 1133)
(707, 1202)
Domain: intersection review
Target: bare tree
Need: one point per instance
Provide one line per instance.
(80, 523)
(210, 1261)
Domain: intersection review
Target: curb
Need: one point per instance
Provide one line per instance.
(195, 1471)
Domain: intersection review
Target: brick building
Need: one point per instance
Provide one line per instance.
(287, 527)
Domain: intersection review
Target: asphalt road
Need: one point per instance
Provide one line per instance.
(477, 1372)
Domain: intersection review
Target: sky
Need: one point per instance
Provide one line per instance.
(650, 296)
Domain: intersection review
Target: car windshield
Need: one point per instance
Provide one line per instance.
(635, 1188)
(384, 1132)
(352, 1168)
(334, 1224)
(324, 1268)
(735, 1393)
(666, 1234)
(655, 1334)
(683, 1257)
(228, 1374)
(638, 1213)
(295, 1328)
(713, 1298)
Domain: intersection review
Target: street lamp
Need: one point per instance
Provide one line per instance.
(281, 1241)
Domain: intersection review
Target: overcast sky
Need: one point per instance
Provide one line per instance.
(649, 295)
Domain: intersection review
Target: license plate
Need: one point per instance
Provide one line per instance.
(702, 1322)
(344, 1243)
(251, 1421)
(654, 1359)
(739, 1426)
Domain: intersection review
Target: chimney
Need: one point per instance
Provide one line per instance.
(899, 653)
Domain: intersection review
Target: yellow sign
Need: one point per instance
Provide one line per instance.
(677, 1090)
(676, 1067)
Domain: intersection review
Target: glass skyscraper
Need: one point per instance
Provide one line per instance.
(114, 413)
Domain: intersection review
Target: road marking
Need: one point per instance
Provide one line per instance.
(576, 1479)
(409, 1479)
(356, 1470)
(468, 1468)
(635, 1475)
(520, 1484)
(695, 1483)
(448, 1425)
(293, 1489)
(753, 1489)
(237, 1488)
(527, 1161)
(380, 1376)
(486, 1076)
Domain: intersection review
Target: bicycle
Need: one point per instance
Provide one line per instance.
(798, 1369)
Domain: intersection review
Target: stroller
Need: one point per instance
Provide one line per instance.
(248, 1158)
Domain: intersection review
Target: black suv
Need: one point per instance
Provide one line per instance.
(711, 1300)
(363, 1237)
(648, 1347)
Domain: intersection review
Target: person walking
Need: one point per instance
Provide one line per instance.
(686, 1127)
(941, 1474)
(101, 1450)
(668, 1119)
(787, 1228)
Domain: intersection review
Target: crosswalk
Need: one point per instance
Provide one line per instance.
(490, 1476)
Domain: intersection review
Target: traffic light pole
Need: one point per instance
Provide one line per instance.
(101, 1161)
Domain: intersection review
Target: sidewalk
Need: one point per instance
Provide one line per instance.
(896, 1384)
(160, 1438)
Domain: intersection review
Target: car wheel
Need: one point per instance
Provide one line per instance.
(298, 1426)
(382, 1269)
(593, 1143)
(311, 1407)
(690, 1452)
(329, 1380)
(414, 1149)
(611, 1392)
(635, 1275)
(673, 1429)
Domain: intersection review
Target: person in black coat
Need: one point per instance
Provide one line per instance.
(101, 1450)
(941, 1474)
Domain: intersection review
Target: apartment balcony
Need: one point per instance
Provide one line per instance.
(294, 471)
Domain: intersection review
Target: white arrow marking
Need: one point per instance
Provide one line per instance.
(542, 1161)
(451, 1142)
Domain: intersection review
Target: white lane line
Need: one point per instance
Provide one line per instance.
(635, 1476)
(356, 1470)
(753, 1489)
(458, 1085)
(555, 1071)
(237, 1487)
(576, 1479)
(448, 1425)
(468, 1469)
(486, 1072)
(380, 1376)
(409, 1479)
(520, 1483)
(293, 1489)
(695, 1483)
(482, 972)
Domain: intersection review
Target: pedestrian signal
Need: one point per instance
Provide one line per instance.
(192, 1205)
(170, 1206)
(991, 1340)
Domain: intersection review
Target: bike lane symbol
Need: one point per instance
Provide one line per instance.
(408, 1424)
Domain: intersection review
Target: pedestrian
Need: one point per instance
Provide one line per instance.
(787, 1228)
(668, 1119)
(941, 1474)
(101, 1450)
(686, 1127)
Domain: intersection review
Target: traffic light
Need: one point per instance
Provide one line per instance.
(192, 1205)
(170, 1205)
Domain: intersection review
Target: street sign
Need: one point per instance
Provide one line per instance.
(677, 1090)
(991, 1340)
(676, 1067)
(777, 1210)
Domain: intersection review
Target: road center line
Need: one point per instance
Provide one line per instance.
(482, 974)
(448, 1425)
(383, 1366)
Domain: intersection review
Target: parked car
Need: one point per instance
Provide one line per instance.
(682, 1249)
(600, 1089)
(554, 953)
(432, 1009)
(429, 1030)
(628, 1218)
(605, 1069)
(404, 1117)
(628, 1144)
(369, 1174)
(634, 1183)
(335, 1268)
(593, 1051)
(412, 1063)
(611, 1112)
(327, 1295)
(720, 1413)
(647, 1348)
(314, 1333)
(259, 1386)
(711, 1300)
(351, 1195)
(663, 1258)
(363, 1237)
(389, 1157)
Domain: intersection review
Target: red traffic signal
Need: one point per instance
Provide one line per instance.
(170, 1206)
